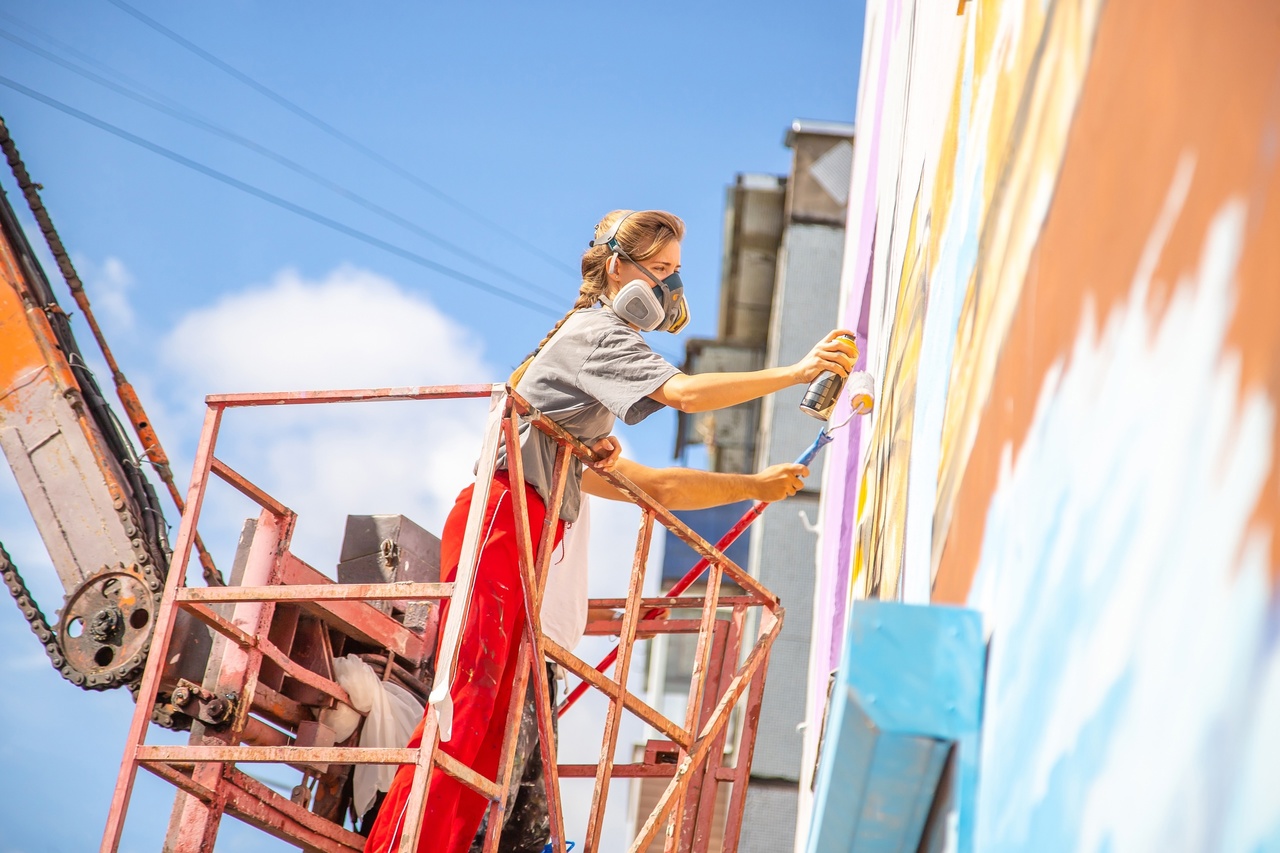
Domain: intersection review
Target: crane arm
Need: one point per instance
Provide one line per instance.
(76, 468)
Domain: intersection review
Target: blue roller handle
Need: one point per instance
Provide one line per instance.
(823, 439)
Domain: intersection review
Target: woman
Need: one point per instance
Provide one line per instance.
(592, 368)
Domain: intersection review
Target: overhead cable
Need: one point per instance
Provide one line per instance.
(195, 120)
(276, 200)
(329, 129)
(36, 32)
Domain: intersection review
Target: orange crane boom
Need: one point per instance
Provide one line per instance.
(77, 470)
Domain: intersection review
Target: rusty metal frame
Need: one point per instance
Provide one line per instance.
(205, 774)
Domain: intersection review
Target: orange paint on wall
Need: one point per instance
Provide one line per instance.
(1165, 78)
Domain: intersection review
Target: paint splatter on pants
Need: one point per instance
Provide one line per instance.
(526, 827)
(487, 658)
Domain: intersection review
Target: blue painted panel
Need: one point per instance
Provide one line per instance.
(909, 690)
(710, 524)
(907, 771)
(881, 787)
(904, 776)
(844, 779)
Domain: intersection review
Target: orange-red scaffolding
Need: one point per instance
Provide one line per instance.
(258, 729)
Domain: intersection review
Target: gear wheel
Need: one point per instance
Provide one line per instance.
(120, 625)
(104, 627)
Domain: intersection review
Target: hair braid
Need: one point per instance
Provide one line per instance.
(588, 295)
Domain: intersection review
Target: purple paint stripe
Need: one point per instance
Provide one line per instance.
(839, 516)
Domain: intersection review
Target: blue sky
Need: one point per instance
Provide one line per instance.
(536, 121)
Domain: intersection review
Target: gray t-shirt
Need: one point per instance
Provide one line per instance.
(594, 369)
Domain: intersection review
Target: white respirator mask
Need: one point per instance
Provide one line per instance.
(653, 305)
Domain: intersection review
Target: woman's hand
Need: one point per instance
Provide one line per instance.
(832, 353)
(607, 451)
(779, 481)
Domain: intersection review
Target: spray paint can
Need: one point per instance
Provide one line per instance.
(823, 392)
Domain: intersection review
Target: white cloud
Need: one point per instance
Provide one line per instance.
(352, 329)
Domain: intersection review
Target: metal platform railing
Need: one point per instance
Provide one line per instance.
(245, 721)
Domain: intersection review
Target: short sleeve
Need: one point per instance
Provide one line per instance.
(621, 372)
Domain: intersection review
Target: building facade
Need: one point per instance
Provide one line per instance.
(784, 238)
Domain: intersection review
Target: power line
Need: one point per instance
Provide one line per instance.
(160, 96)
(195, 120)
(329, 129)
(276, 200)
(86, 59)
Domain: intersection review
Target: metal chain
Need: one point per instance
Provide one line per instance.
(31, 611)
(48, 637)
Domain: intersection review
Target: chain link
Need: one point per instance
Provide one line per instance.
(129, 675)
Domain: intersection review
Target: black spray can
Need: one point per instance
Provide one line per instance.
(823, 392)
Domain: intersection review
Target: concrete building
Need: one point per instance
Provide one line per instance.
(783, 244)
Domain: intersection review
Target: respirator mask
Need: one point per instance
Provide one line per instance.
(655, 305)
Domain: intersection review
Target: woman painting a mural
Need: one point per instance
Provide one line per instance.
(592, 368)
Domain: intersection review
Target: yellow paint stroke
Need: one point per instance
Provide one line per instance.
(945, 182)
(882, 535)
(1019, 28)
(856, 575)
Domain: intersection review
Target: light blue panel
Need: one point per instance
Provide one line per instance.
(908, 691)
(881, 787)
(850, 740)
(904, 776)
(916, 668)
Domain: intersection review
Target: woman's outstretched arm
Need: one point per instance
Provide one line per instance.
(687, 488)
(705, 392)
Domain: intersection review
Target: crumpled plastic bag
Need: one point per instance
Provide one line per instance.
(391, 714)
(342, 718)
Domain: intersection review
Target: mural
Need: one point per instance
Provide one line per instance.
(1062, 248)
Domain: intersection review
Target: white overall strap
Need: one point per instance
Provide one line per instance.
(460, 602)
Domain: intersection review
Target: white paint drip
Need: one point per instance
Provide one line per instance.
(1125, 593)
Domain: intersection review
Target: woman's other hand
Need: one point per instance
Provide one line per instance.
(833, 353)
(607, 451)
(779, 481)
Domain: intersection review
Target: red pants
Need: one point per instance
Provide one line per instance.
(487, 658)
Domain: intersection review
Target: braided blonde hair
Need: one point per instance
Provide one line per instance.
(642, 235)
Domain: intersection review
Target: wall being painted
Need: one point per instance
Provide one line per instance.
(1064, 252)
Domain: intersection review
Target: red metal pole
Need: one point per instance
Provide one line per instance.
(748, 517)
(680, 586)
